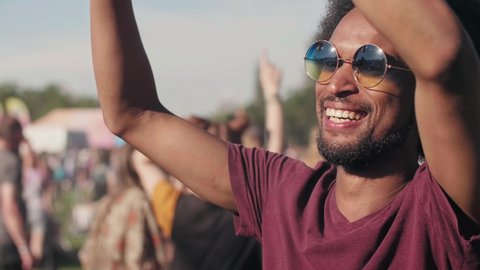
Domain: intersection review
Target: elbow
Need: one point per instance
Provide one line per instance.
(115, 125)
(441, 62)
(120, 123)
(454, 66)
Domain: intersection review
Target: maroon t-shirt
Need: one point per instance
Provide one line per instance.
(291, 209)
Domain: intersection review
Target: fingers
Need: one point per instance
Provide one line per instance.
(27, 261)
(264, 59)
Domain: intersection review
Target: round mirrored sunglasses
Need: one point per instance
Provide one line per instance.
(369, 63)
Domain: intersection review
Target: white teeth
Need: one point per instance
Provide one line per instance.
(342, 116)
(340, 120)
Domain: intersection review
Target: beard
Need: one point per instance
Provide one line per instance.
(364, 151)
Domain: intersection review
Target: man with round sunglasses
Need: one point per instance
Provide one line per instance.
(393, 79)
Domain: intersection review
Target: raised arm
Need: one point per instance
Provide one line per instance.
(270, 80)
(131, 108)
(431, 40)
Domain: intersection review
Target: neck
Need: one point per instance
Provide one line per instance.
(363, 191)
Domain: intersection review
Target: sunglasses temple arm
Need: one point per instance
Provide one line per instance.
(394, 67)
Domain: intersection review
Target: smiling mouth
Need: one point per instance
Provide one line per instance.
(343, 116)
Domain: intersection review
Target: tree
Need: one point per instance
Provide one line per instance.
(300, 116)
(44, 99)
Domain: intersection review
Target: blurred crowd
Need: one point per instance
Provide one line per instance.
(116, 209)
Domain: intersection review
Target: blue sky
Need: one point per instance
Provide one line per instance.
(203, 53)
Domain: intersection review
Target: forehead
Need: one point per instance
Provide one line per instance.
(354, 31)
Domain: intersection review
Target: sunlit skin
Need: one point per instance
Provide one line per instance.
(386, 107)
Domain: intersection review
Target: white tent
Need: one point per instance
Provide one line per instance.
(64, 128)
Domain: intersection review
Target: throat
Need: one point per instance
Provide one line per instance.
(361, 198)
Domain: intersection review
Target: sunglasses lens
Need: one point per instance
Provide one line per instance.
(321, 61)
(369, 65)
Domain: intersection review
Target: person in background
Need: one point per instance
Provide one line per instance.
(202, 233)
(98, 172)
(14, 248)
(270, 81)
(49, 259)
(124, 234)
(36, 182)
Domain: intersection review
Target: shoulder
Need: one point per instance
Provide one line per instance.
(425, 187)
(274, 170)
(439, 207)
(257, 158)
(10, 167)
(8, 158)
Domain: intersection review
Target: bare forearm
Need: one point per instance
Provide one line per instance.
(123, 74)
(37, 239)
(274, 124)
(270, 80)
(430, 38)
(14, 226)
(416, 28)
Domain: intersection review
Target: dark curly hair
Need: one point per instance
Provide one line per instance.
(9, 126)
(468, 12)
(336, 9)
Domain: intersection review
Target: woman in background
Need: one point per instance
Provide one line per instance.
(124, 234)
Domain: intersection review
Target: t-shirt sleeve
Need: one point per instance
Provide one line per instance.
(254, 174)
(442, 209)
(9, 170)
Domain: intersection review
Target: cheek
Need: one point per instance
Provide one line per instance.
(397, 83)
(389, 112)
(396, 113)
(318, 90)
(402, 102)
(396, 102)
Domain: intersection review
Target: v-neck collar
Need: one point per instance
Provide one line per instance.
(340, 221)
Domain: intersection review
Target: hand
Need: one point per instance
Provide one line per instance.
(36, 246)
(27, 260)
(270, 77)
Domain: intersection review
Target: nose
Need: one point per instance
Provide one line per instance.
(342, 83)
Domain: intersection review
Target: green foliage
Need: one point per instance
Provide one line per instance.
(42, 100)
(300, 116)
(64, 203)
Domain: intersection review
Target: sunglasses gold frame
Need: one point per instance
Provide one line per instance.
(355, 70)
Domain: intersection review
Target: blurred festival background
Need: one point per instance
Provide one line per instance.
(205, 59)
